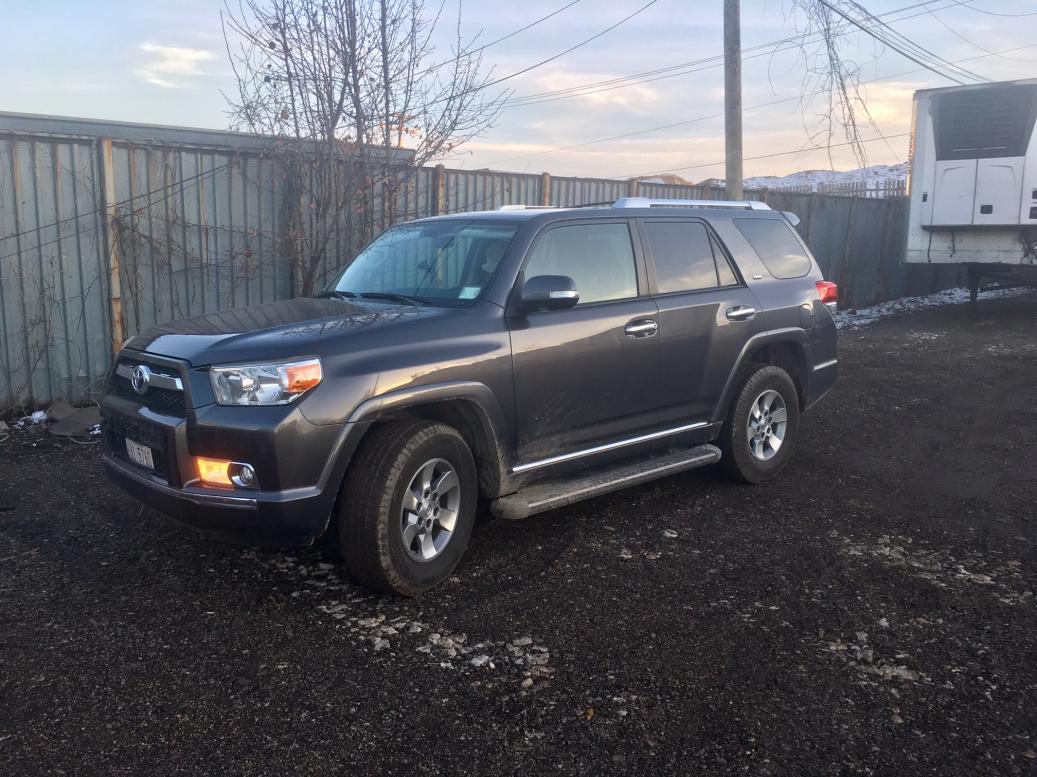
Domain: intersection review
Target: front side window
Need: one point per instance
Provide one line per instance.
(776, 245)
(598, 257)
(444, 262)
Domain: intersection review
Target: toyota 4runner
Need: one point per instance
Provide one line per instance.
(520, 359)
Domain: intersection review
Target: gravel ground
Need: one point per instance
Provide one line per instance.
(871, 612)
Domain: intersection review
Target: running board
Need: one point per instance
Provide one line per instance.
(540, 497)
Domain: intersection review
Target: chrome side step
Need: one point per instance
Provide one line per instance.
(541, 497)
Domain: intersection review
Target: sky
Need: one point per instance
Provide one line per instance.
(163, 62)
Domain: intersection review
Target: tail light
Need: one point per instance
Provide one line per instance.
(829, 293)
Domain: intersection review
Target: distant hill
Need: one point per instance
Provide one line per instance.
(873, 176)
(809, 180)
(666, 178)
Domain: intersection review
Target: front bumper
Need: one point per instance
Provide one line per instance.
(258, 518)
(299, 466)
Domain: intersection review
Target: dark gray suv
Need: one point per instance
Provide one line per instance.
(522, 359)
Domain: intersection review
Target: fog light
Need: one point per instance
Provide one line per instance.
(215, 472)
(243, 475)
(226, 474)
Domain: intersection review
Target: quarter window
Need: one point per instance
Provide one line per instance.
(776, 245)
(598, 257)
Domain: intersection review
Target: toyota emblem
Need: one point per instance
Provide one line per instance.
(141, 379)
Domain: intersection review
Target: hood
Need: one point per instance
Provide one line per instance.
(274, 330)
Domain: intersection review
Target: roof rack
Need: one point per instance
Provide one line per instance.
(529, 207)
(647, 202)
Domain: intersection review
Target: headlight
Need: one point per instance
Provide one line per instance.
(264, 384)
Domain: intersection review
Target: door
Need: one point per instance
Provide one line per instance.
(954, 192)
(999, 186)
(706, 314)
(590, 374)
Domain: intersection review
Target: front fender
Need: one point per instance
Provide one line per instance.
(476, 395)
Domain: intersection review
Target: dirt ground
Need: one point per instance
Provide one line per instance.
(871, 612)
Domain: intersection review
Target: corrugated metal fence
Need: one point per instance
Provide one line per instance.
(107, 229)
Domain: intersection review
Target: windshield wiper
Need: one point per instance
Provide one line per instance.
(334, 294)
(392, 296)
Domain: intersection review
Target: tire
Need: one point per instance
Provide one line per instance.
(372, 520)
(746, 456)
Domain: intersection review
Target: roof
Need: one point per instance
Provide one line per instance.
(1017, 82)
(135, 132)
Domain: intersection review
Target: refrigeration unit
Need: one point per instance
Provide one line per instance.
(973, 180)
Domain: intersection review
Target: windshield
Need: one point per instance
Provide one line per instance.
(438, 262)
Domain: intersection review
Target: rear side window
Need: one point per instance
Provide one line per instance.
(598, 257)
(683, 256)
(727, 275)
(776, 245)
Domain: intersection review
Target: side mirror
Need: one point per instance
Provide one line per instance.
(549, 292)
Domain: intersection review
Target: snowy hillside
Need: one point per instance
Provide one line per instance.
(871, 176)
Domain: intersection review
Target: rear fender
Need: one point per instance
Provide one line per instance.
(793, 336)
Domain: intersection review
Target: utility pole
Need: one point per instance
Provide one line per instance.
(733, 99)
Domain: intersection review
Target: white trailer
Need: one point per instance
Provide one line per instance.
(973, 184)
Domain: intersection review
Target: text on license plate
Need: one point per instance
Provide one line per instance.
(140, 454)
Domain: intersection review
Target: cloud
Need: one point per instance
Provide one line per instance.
(601, 95)
(169, 65)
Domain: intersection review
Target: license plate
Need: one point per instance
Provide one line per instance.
(140, 454)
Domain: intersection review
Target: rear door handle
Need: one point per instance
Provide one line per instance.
(741, 313)
(641, 327)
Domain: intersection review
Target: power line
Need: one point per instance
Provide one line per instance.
(521, 29)
(972, 43)
(768, 156)
(719, 115)
(908, 42)
(968, 4)
(501, 39)
(569, 50)
(792, 42)
(914, 55)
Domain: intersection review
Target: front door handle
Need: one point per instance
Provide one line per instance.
(642, 327)
(741, 313)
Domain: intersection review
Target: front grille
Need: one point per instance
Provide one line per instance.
(160, 399)
(118, 428)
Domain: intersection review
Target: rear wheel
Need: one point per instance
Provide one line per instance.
(759, 435)
(408, 506)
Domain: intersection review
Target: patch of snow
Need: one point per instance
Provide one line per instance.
(873, 177)
(856, 319)
(1003, 578)
(37, 417)
(373, 620)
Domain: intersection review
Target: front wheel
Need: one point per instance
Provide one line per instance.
(408, 506)
(759, 435)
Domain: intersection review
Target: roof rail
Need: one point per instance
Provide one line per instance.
(648, 202)
(528, 207)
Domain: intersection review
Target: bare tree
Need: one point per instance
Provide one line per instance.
(355, 89)
(833, 102)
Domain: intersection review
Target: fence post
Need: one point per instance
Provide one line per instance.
(545, 189)
(844, 265)
(633, 187)
(111, 242)
(438, 190)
